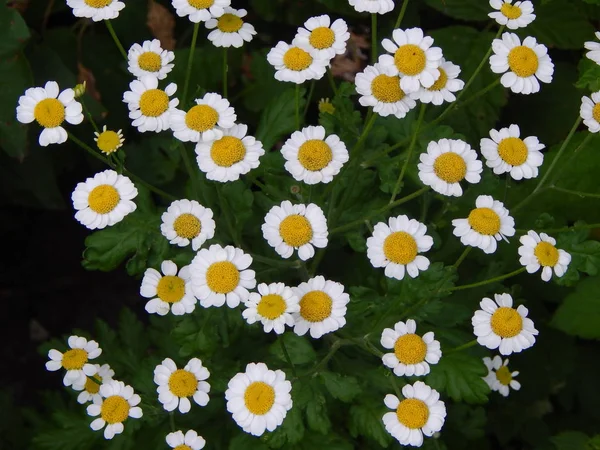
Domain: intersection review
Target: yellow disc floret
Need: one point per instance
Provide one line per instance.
(154, 102)
(295, 230)
(150, 62)
(297, 59)
(450, 167)
(103, 199)
(410, 59)
(222, 277)
(513, 151)
(485, 221)
(325, 106)
(314, 155)
(170, 288)
(183, 383)
(506, 322)
(412, 413)
(596, 112)
(504, 376)
(315, 306)
(108, 142)
(400, 248)
(227, 151)
(271, 306)
(74, 359)
(97, 3)
(259, 398)
(523, 61)
(201, 118)
(49, 113)
(114, 409)
(387, 89)
(187, 226)
(229, 23)
(91, 386)
(546, 253)
(321, 38)
(511, 11)
(410, 349)
(201, 4)
(441, 82)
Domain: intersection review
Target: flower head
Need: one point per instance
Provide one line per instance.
(444, 87)
(205, 121)
(326, 38)
(149, 59)
(96, 10)
(200, 10)
(514, 15)
(594, 49)
(499, 377)
(170, 291)
(75, 360)
(372, 6)
(188, 441)
(539, 250)
(326, 106)
(187, 222)
(150, 107)
(229, 30)
(109, 141)
(590, 111)
(176, 386)
(297, 62)
(90, 390)
(272, 306)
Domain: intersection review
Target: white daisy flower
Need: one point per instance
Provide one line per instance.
(379, 87)
(188, 441)
(590, 111)
(229, 30)
(397, 246)
(96, 10)
(117, 403)
(272, 306)
(312, 158)
(75, 360)
(258, 399)
(513, 15)
(290, 227)
(413, 58)
(326, 38)
(498, 325)
(539, 250)
(444, 87)
(372, 6)
(412, 353)
(104, 199)
(150, 107)
(507, 152)
(487, 223)
(221, 274)
(149, 59)
(109, 141)
(446, 163)
(421, 412)
(50, 109)
(200, 10)
(232, 154)
(187, 221)
(175, 386)
(322, 307)
(499, 378)
(524, 64)
(170, 291)
(594, 49)
(204, 121)
(297, 62)
(90, 390)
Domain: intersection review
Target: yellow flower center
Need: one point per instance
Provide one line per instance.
(596, 112)
(321, 37)
(412, 413)
(222, 277)
(201, 118)
(183, 383)
(504, 376)
(97, 3)
(150, 62)
(314, 155)
(271, 306)
(91, 386)
(108, 142)
(183, 447)
(410, 59)
(315, 306)
(114, 409)
(410, 349)
(154, 102)
(229, 23)
(523, 61)
(187, 226)
(513, 151)
(511, 11)
(400, 248)
(440, 83)
(170, 289)
(295, 230)
(103, 199)
(201, 4)
(485, 221)
(49, 113)
(74, 359)
(325, 106)
(386, 89)
(227, 151)
(546, 253)
(297, 59)
(450, 167)
(259, 398)
(506, 322)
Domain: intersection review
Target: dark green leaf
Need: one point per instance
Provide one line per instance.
(279, 118)
(579, 314)
(298, 347)
(344, 388)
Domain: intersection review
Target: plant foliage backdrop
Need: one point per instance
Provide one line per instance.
(338, 380)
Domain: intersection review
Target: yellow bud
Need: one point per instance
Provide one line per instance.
(79, 89)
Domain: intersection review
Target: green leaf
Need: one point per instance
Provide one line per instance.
(570, 440)
(579, 314)
(298, 347)
(562, 24)
(341, 387)
(316, 414)
(244, 442)
(589, 75)
(290, 432)
(365, 420)
(279, 117)
(462, 9)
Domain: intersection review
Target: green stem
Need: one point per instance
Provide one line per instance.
(469, 344)
(225, 209)
(491, 280)
(286, 354)
(373, 38)
(297, 107)
(401, 15)
(308, 100)
(95, 380)
(225, 72)
(172, 421)
(190, 170)
(273, 262)
(90, 117)
(331, 81)
(462, 257)
(572, 192)
(111, 30)
(188, 71)
(332, 350)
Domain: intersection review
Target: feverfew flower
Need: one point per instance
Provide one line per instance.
(539, 250)
(513, 15)
(200, 10)
(372, 6)
(149, 59)
(90, 390)
(326, 38)
(150, 107)
(96, 10)
(187, 221)
(75, 360)
(444, 87)
(175, 386)
(204, 121)
(272, 306)
(170, 291)
(188, 441)
(594, 49)
(499, 378)
(109, 141)
(297, 62)
(229, 30)
(590, 111)
(117, 403)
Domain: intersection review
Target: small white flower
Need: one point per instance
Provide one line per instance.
(104, 199)
(499, 378)
(297, 62)
(117, 402)
(539, 250)
(322, 307)
(326, 38)
(420, 413)
(444, 87)
(90, 390)
(517, 15)
(175, 386)
(498, 325)
(507, 152)
(187, 221)
(372, 6)
(524, 64)
(188, 441)
(170, 291)
(200, 10)
(229, 29)
(272, 306)
(488, 223)
(75, 360)
(204, 121)
(412, 353)
(446, 163)
(109, 141)
(413, 58)
(396, 246)
(590, 111)
(150, 107)
(290, 227)
(594, 49)
(149, 59)
(221, 274)
(233, 154)
(258, 399)
(50, 108)
(96, 10)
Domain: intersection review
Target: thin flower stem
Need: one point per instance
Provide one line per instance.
(190, 170)
(225, 208)
(563, 229)
(172, 421)
(462, 257)
(286, 354)
(111, 30)
(188, 71)
(572, 192)
(469, 344)
(394, 384)
(491, 280)
(225, 83)
(331, 81)
(95, 380)
(297, 107)
(308, 100)
(373, 38)
(90, 117)
(332, 350)
(401, 15)
(273, 262)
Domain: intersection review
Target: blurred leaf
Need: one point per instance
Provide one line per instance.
(561, 24)
(341, 387)
(589, 75)
(570, 440)
(462, 9)
(579, 314)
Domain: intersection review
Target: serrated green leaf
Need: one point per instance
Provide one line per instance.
(462, 9)
(579, 314)
(561, 24)
(298, 347)
(570, 440)
(316, 415)
(279, 117)
(589, 75)
(365, 419)
(341, 387)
